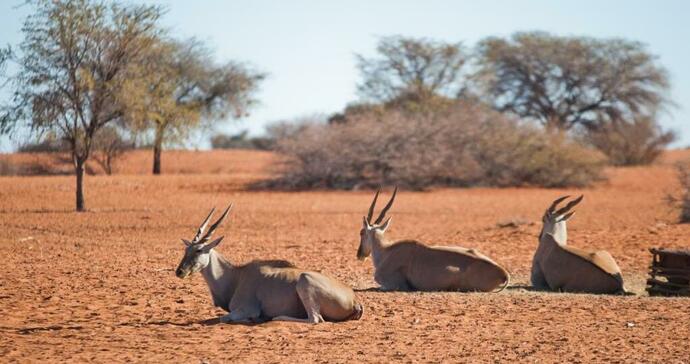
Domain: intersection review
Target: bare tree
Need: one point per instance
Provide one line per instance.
(568, 81)
(412, 69)
(109, 146)
(74, 56)
(181, 88)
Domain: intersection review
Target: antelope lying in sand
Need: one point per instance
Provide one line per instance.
(410, 265)
(265, 290)
(559, 267)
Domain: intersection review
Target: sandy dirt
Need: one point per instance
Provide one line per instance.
(99, 286)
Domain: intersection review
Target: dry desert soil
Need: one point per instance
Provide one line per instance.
(100, 286)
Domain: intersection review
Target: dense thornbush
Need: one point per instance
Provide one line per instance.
(47, 145)
(241, 140)
(640, 141)
(514, 154)
(109, 145)
(468, 145)
(7, 168)
(684, 200)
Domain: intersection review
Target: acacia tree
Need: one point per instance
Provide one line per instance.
(565, 82)
(412, 69)
(72, 64)
(181, 88)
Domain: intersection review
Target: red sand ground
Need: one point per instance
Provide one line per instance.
(99, 286)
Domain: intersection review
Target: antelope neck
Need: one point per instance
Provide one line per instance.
(378, 246)
(220, 278)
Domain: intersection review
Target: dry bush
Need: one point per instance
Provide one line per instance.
(513, 154)
(7, 168)
(683, 201)
(43, 164)
(241, 140)
(47, 145)
(108, 146)
(631, 143)
(468, 145)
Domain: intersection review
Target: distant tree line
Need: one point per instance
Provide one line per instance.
(98, 76)
(586, 94)
(91, 71)
(605, 88)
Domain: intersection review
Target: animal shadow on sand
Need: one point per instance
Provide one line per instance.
(135, 324)
(528, 288)
(71, 211)
(510, 289)
(205, 322)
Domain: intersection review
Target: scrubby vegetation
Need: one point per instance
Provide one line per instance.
(241, 140)
(684, 200)
(530, 109)
(641, 141)
(109, 146)
(466, 145)
(47, 145)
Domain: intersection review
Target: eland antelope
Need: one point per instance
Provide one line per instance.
(557, 266)
(410, 265)
(265, 289)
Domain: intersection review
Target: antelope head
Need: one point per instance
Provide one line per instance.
(373, 229)
(196, 255)
(554, 220)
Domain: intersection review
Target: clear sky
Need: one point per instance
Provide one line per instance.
(308, 47)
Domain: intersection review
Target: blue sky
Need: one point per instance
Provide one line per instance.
(308, 47)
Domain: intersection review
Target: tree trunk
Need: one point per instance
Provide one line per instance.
(79, 169)
(157, 149)
(108, 164)
(556, 123)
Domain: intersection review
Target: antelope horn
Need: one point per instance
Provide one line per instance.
(388, 206)
(569, 206)
(373, 205)
(567, 216)
(556, 202)
(215, 225)
(200, 232)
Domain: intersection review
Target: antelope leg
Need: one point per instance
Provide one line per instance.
(537, 278)
(391, 280)
(291, 319)
(241, 315)
(311, 304)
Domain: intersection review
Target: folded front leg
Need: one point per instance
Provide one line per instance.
(243, 315)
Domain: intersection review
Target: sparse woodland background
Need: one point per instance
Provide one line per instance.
(534, 109)
(98, 78)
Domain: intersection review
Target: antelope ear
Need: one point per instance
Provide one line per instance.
(365, 223)
(211, 245)
(386, 224)
(186, 242)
